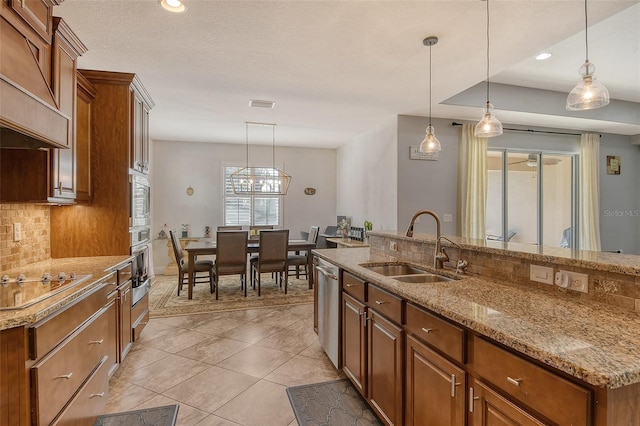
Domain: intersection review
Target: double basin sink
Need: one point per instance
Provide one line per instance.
(405, 273)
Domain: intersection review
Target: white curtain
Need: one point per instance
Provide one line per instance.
(589, 208)
(472, 183)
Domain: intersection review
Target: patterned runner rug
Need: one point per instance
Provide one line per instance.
(334, 403)
(164, 300)
(158, 416)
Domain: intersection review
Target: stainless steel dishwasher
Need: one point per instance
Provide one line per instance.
(328, 309)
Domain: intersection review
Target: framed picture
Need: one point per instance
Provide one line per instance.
(613, 164)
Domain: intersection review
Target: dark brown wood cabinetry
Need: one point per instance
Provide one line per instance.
(139, 132)
(124, 309)
(354, 342)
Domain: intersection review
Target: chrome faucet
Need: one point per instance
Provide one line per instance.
(437, 263)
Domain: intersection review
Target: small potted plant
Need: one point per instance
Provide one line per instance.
(368, 227)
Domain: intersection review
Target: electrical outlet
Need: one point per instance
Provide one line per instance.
(541, 274)
(447, 217)
(577, 282)
(17, 231)
(393, 246)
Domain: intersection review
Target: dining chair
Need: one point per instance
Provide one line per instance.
(272, 257)
(297, 260)
(231, 257)
(230, 228)
(200, 266)
(254, 230)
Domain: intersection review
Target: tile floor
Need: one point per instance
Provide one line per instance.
(224, 369)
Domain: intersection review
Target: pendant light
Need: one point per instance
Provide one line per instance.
(430, 144)
(489, 126)
(260, 180)
(588, 93)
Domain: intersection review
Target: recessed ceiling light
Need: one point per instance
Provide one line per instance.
(173, 5)
(543, 56)
(255, 103)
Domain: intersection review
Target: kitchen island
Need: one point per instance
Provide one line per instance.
(582, 341)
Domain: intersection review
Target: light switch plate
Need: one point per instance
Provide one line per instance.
(447, 217)
(541, 274)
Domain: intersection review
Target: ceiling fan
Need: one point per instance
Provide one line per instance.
(532, 161)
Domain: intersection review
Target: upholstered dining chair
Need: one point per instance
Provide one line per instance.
(231, 257)
(272, 257)
(200, 266)
(229, 228)
(295, 261)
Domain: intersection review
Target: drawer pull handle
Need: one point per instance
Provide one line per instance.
(472, 399)
(96, 342)
(351, 285)
(99, 395)
(427, 330)
(515, 382)
(65, 376)
(380, 302)
(453, 385)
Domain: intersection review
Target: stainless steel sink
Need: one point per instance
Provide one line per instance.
(424, 278)
(391, 270)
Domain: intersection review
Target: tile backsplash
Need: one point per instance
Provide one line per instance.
(616, 289)
(36, 235)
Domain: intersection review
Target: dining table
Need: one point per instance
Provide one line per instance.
(208, 246)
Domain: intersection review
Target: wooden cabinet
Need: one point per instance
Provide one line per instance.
(354, 342)
(139, 132)
(124, 310)
(86, 92)
(489, 408)
(435, 388)
(82, 231)
(373, 347)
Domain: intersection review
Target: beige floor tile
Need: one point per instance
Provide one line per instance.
(214, 420)
(256, 361)
(154, 329)
(187, 415)
(302, 370)
(264, 403)
(211, 389)
(314, 350)
(218, 326)
(278, 318)
(214, 350)
(139, 356)
(304, 310)
(179, 340)
(293, 423)
(247, 315)
(293, 341)
(303, 324)
(187, 321)
(251, 332)
(166, 373)
(124, 395)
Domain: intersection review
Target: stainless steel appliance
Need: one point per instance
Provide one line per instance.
(140, 281)
(140, 230)
(140, 200)
(329, 310)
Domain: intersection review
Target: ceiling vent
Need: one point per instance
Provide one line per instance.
(255, 103)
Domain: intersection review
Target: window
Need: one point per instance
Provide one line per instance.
(249, 209)
(528, 203)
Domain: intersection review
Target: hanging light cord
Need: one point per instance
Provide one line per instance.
(586, 38)
(430, 84)
(487, 51)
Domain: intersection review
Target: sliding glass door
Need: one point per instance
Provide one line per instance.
(530, 197)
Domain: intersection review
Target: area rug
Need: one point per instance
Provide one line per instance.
(157, 416)
(164, 300)
(334, 403)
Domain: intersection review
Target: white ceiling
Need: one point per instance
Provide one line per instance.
(336, 69)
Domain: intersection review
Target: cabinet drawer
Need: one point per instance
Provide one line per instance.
(58, 376)
(437, 332)
(140, 307)
(354, 286)
(385, 303)
(125, 273)
(46, 334)
(534, 386)
(89, 402)
(111, 283)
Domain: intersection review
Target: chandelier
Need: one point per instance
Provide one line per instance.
(260, 180)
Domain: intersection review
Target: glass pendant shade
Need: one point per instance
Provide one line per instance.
(430, 144)
(588, 93)
(489, 126)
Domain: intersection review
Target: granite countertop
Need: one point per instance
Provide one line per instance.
(98, 267)
(594, 342)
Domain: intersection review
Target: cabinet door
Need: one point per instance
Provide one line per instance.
(435, 388)
(85, 96)
(488, 408)
(145, 139)
(385, 368)
(354, 338)
(137, 133)
(112, 334)
(125, 320)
